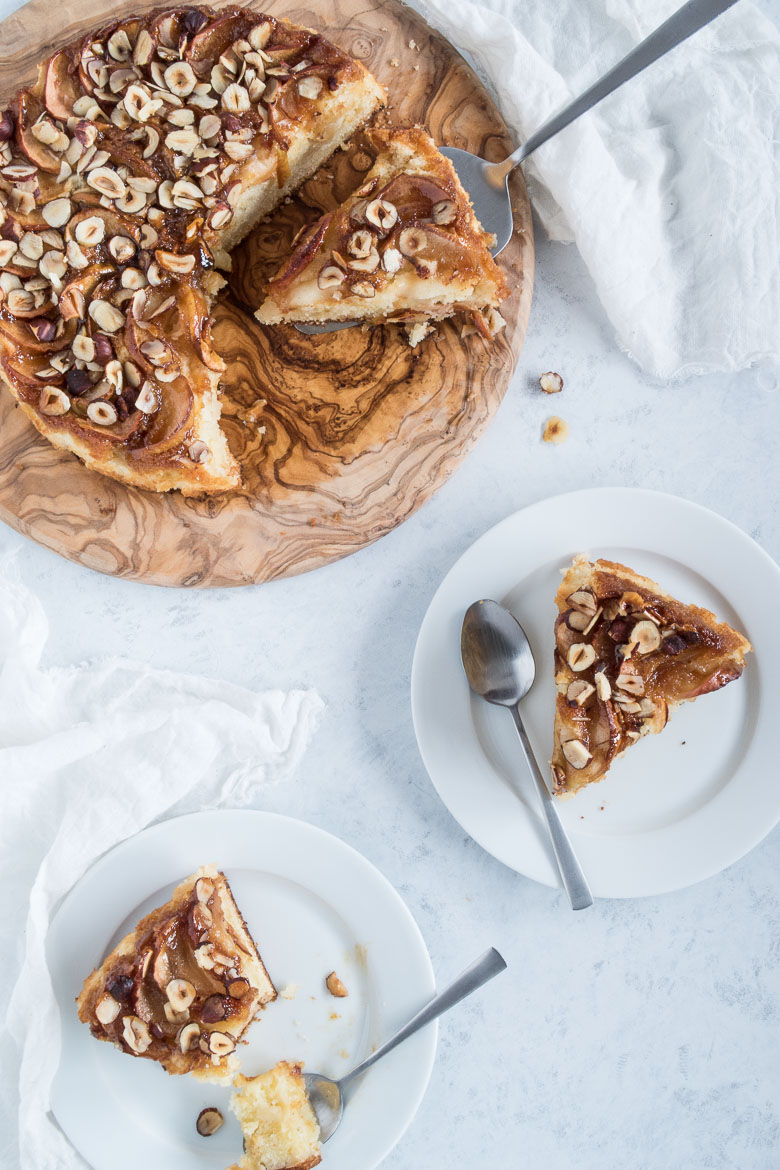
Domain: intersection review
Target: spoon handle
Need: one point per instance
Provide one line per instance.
(485, 968)
(574, 881)
(680, 25)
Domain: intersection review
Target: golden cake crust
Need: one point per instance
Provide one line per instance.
(405, 247)
(184, 985)
(626, 654)
(142, 154)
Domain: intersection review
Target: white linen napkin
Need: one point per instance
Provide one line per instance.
(670, 187)
(90, 755)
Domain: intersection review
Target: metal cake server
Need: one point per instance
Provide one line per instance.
(327, 1096)
(500, 668)
(487, 183)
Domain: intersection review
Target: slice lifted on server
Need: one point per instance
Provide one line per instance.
(627, 654)
(183, 987)
(405, 247)
(279, 1125)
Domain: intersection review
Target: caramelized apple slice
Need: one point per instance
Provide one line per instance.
(211, 42)
(192, 310)
(27, 110)
(60, 89)
(168, 426)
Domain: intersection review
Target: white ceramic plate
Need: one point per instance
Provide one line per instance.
(679, 806)
(313, 905)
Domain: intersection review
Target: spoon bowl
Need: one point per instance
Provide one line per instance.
(496, 654)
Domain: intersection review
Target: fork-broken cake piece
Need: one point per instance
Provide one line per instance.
(405, 247)
(184, 986)
(627, 654)
(279, 1125)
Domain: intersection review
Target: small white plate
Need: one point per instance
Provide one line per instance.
(679, 806)
(313, 905)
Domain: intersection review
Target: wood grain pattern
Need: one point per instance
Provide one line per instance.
(341, 437)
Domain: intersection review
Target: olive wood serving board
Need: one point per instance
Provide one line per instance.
(340, 437)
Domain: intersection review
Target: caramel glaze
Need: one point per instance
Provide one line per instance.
(31, 334)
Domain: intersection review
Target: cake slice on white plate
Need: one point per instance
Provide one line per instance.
(181, 988)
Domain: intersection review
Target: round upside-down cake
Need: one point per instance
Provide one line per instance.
(140, 157)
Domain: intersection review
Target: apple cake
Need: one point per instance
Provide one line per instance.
(405, 247)
(142, 154)
(278, 1123)
(627, 654)
(183, 987)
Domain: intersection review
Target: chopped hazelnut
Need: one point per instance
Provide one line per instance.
(335, 986)
(556, 430)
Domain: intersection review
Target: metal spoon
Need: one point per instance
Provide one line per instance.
(327, 1096)
(500, 667)
(487, 183)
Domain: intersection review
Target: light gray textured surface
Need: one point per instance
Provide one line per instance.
(639, 1035)
(634, 1036)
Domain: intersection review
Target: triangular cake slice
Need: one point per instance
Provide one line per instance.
(626, 654)
(183, 987)
(279, 1125)
(406, 246)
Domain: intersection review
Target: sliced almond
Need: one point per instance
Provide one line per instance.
(330, 276)
(444, 212)
(221, 1043)
(579, 691)
(57, 213)
(122, 248)
(181, 264)
(310, 87)
(199, 453)
(146, 401)
(576, 753)
(382, 214)
(106, 316)
(183, 141)
(188, 1037)
(102, 413)
(135, 1033)
(180, 78)
(180, 993)
(107, 1009)
(235, 99)
(632, 684)
(83, 348)
(106, 181)
(119, 45)
(363, 288)
(581, 655)
(53, 401)
(646, 637)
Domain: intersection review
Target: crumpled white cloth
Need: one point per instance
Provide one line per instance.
(88, 756)
(670, 187)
